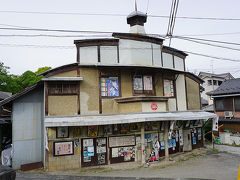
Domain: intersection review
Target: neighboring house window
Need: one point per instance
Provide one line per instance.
(237, 103)
(168, 88)
(224, 104)
(214, 82)
(143, 84)
(62, 88)
(219, 83)
(109, 86)
(209, 82)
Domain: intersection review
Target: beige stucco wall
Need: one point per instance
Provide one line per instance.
(130, 107)
(158, 84)
(89, 91)
(181, 93)
(193, 95)
(126, 84)
(62, 105)
(72, 73)
(109, 106)
(63, 162)
(161, 107)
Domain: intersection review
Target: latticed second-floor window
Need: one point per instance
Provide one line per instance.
(143, 84)
(62, 88)
(109, 87)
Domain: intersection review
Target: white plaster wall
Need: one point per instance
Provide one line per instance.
(88, 55)
(172, 104)
(167, 60)
(135, 53)
(179, 63)
(157, 59)
(108, 54)
(146, 107)
(181, 93)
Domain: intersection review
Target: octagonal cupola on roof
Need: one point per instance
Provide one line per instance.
(136, 20)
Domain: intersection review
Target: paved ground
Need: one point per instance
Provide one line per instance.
(199, 164)
(229, 149)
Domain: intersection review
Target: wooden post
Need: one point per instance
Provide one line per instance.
(143, 143)
(166, 140)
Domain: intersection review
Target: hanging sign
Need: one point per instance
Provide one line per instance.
(154, 106)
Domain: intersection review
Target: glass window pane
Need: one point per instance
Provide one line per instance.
(147, 83)
(237, 103)
(168, 88)
(137, 83)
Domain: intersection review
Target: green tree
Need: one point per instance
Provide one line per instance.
(42, 69)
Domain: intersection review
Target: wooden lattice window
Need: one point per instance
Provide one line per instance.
(143, 84)
(63, 88)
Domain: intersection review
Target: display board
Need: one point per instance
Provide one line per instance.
(62, 148)
(118, 141)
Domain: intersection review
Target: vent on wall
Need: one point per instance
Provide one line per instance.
(228, 114)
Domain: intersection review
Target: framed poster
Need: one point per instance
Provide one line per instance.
(92, 131)
(62, 148)
(117, 141)
(62, 132)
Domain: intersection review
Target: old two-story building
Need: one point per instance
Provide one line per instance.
(128, 98)
(227, 108)
(211, 83)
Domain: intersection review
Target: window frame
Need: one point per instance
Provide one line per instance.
(119, 85)
(225, 102)
(174, 87)
(144, 92)
(235, 109)
(61, 89)
(209, 82)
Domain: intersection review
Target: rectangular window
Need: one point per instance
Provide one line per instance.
(237, 103)
(109, 86)
(62, 88)
(143, 84)
(214, 82)
(168, 88)
(224, 104)
(209, 82)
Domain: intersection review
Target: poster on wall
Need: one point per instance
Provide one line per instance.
(114, 152)
(101, 159)
(194, 140)
(108, 130)
(162, 146)
(181, 137)
(112, 87)
(87, 142)
(62, 132)
(92, 131)
(199, 134)
(90, 150)
(62, 148)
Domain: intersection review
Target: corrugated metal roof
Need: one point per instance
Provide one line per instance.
(4, 95)
(91, 120)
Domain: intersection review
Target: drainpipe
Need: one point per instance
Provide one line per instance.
(166, 140)
(143, 143)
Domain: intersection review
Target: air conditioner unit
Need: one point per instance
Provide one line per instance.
(228, 114)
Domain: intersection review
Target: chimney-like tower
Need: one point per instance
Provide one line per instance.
(136, 20)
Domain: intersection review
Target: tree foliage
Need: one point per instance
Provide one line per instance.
(13, 83)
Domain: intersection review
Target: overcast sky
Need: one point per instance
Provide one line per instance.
(22, 58)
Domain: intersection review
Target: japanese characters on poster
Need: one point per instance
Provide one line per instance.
(63, 148)
(112, 87)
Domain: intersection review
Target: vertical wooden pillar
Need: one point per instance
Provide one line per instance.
(166, 140)
(143, 143)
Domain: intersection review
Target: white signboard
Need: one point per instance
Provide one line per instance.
(121, 141)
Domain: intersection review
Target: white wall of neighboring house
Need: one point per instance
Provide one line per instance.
(210, 87)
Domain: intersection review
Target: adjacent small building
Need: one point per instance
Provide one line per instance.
(212, 82)
(227, 107)
(128, 98)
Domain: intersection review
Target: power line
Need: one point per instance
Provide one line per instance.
(210, 44)
(105, 14)
(209, 40)
(210, 34)
(49, 35)
(214, 57)
(71, 47)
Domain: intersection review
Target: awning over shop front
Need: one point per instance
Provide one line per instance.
(91, 120)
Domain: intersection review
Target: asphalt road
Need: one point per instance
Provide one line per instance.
(210, 165)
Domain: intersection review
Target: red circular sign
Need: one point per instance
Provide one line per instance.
(154, 106)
